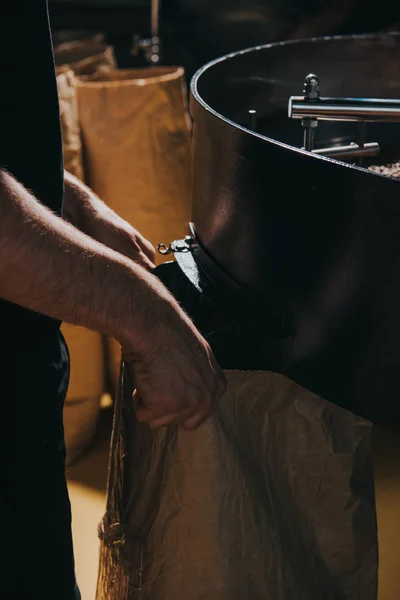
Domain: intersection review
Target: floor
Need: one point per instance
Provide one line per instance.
(87, 485)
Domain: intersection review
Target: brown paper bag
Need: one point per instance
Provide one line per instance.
(86, 347)
(86, 56)
(65, 36)
(271, 499)
(72, 146)
(136, 135)
(86, 386)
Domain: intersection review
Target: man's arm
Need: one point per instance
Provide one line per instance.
(48, 266)
(83, 209)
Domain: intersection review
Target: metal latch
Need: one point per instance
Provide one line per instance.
(176, 246)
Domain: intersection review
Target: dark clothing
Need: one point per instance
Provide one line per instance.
(35, 509)
(30, 132)
(43, 529)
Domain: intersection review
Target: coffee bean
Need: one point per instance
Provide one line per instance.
(391, 170)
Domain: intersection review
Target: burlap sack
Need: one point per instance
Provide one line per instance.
(271, 499)
(86, 56)
(86, 347)
(136, 135)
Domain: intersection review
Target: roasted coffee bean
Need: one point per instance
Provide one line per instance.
(391, 170)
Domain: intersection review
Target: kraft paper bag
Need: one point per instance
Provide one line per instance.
(85, 56)
(271, 499)
(136, 136)
(86, 387)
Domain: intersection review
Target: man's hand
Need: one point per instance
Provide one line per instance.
(48, 266)
(176, 377)
(83, 209)
(115, 233)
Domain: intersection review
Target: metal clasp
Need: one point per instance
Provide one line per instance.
(176, 246)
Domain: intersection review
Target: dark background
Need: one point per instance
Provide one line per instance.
(195, 31)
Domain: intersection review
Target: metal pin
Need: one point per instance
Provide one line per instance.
(350, 150)
(311, 95)
(371, 110)
(362, 136)
(309, 133)
(252, 119)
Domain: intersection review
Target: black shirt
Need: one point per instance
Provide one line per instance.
(30, 132)
(36, 557)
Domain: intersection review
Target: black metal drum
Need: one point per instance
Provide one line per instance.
(295, 256)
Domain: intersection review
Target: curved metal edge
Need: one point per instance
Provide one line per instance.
(209, 65)
(197, 103)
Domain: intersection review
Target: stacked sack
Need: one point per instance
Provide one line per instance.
(86, 386)
(126, 133)
(136, 137)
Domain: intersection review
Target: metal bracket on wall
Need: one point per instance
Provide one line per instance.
(150, 47)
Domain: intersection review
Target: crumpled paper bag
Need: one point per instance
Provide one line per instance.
(271, 499)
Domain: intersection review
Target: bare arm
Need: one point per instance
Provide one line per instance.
(50, 267)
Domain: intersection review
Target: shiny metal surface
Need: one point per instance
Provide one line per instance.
(316, 237)
(244, 180)
(368, 149)
(345, 109)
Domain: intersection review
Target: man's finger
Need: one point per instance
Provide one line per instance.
(146, 262)
(141, 259)
(167, 420)
(158, 411)
(146, 247)
(195, 421)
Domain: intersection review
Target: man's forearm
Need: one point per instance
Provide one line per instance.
(48, 266)
(83, 209)
(81, 206)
